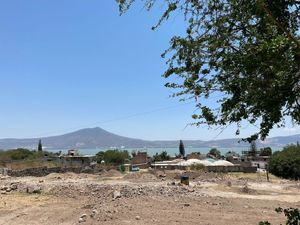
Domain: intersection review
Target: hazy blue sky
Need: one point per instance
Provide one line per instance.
(71, 64)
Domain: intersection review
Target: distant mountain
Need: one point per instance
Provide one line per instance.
(99, 138)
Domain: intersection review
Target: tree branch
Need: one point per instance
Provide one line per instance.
(276, 22)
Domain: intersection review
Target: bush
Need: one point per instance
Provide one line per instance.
(292, 215)
(286, 163)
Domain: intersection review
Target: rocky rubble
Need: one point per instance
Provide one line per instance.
(8, 188)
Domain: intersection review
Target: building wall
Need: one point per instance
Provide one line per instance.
(140, 158)
(76, 161)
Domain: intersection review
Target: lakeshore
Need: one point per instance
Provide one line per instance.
(153, 151)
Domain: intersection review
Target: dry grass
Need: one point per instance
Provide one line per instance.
(253, 176)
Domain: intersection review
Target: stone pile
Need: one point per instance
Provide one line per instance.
(8, 188)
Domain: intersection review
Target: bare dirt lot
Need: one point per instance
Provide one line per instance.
(145, 198)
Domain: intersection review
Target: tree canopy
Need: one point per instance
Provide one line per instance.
(112, 156)
(286, 163)
(161, 157)
(244, 54)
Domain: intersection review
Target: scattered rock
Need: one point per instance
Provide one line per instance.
(229, 184)
(137, 217)
(82, 218)
(94, 212)
(186, 204)
(34, 189)
(84, 215)
(116, 194)
(14, 186)
(3, 188)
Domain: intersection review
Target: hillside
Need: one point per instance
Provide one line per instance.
(99, 138)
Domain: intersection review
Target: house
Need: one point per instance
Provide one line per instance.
(141, 160)
(195, 155)
(73, 159)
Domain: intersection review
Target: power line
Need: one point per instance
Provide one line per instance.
(116, 119)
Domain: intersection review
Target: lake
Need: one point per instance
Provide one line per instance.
(152, 151)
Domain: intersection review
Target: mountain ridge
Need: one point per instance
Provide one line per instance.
(99, 138)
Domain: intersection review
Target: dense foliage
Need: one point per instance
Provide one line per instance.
(286, 163)
(161, 157)
(243, 54)
(114, 156)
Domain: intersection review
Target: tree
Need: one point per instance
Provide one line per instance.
(112, 156)
(265, 151)
(244, 54)
(215, 152)
(40, 147)
(286, 163)
(181, 148)
(161, 157)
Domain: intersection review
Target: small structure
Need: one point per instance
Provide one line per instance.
(259, 164)
(73, 159)
(141, 160)
(211, 165)
(73, 152)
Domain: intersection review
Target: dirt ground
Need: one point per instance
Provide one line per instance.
(145, 198)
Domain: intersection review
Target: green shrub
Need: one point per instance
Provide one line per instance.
(286, 163)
